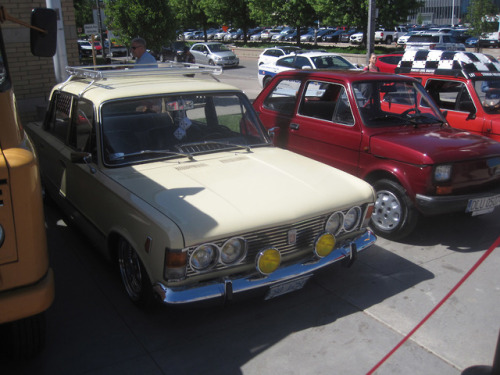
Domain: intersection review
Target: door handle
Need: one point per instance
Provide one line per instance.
(294, 126)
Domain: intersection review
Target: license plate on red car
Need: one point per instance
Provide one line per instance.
(479, 206)
(287, 287)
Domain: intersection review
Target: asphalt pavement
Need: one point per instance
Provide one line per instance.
(344, 321)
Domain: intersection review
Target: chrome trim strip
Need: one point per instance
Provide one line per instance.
(217, 289)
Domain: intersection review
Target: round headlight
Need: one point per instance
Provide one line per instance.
(233, 250)
(203, 257)
(268, 261)
(352, 218)
(334, 222)
(324, 245)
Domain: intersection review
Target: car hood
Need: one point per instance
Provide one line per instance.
(230, 193)
(224, 54)
(431, 145)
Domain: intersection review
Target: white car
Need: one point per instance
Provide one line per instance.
(306, 60)
(356, 38)
(270, 55)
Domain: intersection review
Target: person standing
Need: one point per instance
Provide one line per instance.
(372, 67)
(143, 57)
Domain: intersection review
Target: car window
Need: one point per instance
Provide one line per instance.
(58, 124)
(488, 91)
(82, 127)
(332, 62)
(283, 96)
(301, 62)
(147, 129)
(394, 103)
(286, 62)
(450, 95)
(326, 101)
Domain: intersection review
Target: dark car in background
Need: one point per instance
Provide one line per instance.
(172, 51)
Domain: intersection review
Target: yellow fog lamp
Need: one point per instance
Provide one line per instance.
(324, 245)
(268, 261)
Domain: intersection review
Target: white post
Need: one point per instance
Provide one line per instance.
(61, 57)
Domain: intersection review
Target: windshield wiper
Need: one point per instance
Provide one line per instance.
(214, 143)
(423, 118)
(121, 155)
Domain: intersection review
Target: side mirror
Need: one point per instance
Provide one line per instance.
(472, 115)
(43, 44)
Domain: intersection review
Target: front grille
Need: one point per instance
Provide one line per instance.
(307, 232)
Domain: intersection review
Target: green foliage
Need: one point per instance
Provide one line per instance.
(83, 12)
(152, 20)
(476, 13)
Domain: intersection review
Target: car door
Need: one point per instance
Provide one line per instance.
(198, 52)
(454, 97)
(50, 142)
(316, 121)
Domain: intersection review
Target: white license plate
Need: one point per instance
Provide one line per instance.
(479, 206)
(286, 287)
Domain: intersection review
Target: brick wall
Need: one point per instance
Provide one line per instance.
(33, 77)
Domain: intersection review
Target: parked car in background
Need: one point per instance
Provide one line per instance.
(234, 35)
(270, 55)
(282, 35)
(465, 86)
(333, 37)
(404, 38)
(356, 38)
(214, 53)
(490, 40)
(389, 62)
(388, 36)
(171, 51)
(439, 41)
(303, 60)
(387, 130)
(257, 36)
(116, 50)
(267, 34)
(170, 177)
(472, 42)
(84, 48)
(345, 36)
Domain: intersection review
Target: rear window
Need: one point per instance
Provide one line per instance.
(424, 38)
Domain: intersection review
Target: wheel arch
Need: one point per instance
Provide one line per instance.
(395, 175)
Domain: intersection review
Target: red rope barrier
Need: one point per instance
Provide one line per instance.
(462, 280)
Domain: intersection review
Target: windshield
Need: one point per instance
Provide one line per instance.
(488, 92)
(395, 103)
(331, 62)
(146, 129)
(218, 48)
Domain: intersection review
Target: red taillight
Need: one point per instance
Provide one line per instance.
(432, 46)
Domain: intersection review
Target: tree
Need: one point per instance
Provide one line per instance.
(479, 13)
(295, 13)
(190, 13)
(355, 12)
(152, 20)
(84, 12)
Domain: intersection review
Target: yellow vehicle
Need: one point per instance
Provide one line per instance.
(26, 280)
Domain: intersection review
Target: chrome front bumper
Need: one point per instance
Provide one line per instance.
(225, 289)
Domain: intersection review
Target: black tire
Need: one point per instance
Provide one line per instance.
(389, 40)
(394, 216)
(134, 276)
(211, 63)
(25, 338)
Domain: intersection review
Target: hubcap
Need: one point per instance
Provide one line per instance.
(130, 269)
(388, 211)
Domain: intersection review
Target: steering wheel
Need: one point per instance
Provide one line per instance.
(410, 110)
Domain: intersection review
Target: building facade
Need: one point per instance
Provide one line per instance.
(33, 77)
(443, 12)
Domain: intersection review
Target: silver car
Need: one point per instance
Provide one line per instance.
(214, 53)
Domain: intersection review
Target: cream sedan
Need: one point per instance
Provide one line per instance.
(177, 181)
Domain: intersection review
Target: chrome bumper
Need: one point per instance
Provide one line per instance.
(225, 289)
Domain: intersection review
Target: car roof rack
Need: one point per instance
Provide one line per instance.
(451, 63)
(102, 72)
